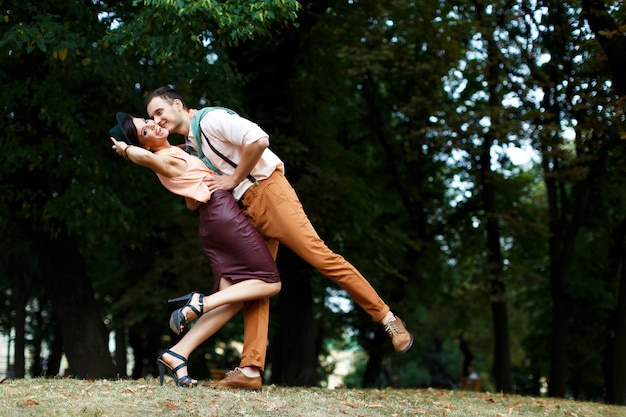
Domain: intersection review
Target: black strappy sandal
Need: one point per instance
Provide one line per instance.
(183, 381)
(178, 321)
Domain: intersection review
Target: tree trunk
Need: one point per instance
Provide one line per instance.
(37, 340)
(468, 356)
(566, 220)
(295, 347)
(559, 335)
(619, 341)
(19, 346)
(558, 209)
(69, 290)
(558, 285)
(614, 362)
(56, 351)
(565, 223)
(374, 367)
(502, 369)
(120, 352)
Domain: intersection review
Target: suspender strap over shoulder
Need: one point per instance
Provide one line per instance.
(228, 161)
(204, 159)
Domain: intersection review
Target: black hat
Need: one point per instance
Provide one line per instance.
(117, 132)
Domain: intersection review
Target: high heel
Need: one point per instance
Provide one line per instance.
(178, 321)
(183, 381)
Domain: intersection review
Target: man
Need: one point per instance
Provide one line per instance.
(239, 149)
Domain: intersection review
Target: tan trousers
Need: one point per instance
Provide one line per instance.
(274, 209)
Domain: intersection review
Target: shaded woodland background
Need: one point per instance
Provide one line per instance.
(397, 121)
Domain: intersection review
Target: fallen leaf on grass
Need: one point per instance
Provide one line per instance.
(447, 405)
(130, 390)
(30, 402)
(436, 391)
(377, 405)
(170, 405)
(347, 404)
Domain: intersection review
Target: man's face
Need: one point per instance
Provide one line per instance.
(166, 115)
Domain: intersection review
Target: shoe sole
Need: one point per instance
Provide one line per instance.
(236, 388)
(400, 352)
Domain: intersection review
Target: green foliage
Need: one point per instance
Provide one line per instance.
(174, 29)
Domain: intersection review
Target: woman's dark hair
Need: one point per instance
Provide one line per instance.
(130, 130)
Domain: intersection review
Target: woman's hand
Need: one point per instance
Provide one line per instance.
(118, 146)
(166, 165)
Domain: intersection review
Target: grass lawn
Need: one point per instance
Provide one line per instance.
(101, 398)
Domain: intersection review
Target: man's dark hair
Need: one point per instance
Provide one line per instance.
(166, 93)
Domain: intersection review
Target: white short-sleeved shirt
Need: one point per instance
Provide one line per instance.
(228, 133)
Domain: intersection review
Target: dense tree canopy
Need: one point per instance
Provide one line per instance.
(399, 123)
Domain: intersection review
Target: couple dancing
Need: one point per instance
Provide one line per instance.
(231, 166)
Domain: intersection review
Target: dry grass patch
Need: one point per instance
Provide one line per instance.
(103, 398)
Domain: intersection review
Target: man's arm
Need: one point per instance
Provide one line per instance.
(250, 156)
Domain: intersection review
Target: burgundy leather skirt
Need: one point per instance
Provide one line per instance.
(234, 247)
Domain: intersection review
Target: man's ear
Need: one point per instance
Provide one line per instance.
(178, 105)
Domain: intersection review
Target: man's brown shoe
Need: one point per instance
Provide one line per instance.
(401, 339)
(235, 379)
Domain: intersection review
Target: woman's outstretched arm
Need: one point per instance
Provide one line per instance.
(166, 165)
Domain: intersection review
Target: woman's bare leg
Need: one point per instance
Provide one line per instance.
(229, 293)
(219, 307)
(250, 289)
(205, 327)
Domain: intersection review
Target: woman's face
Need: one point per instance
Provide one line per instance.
(149, 133)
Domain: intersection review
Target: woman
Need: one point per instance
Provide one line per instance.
(241, 263)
